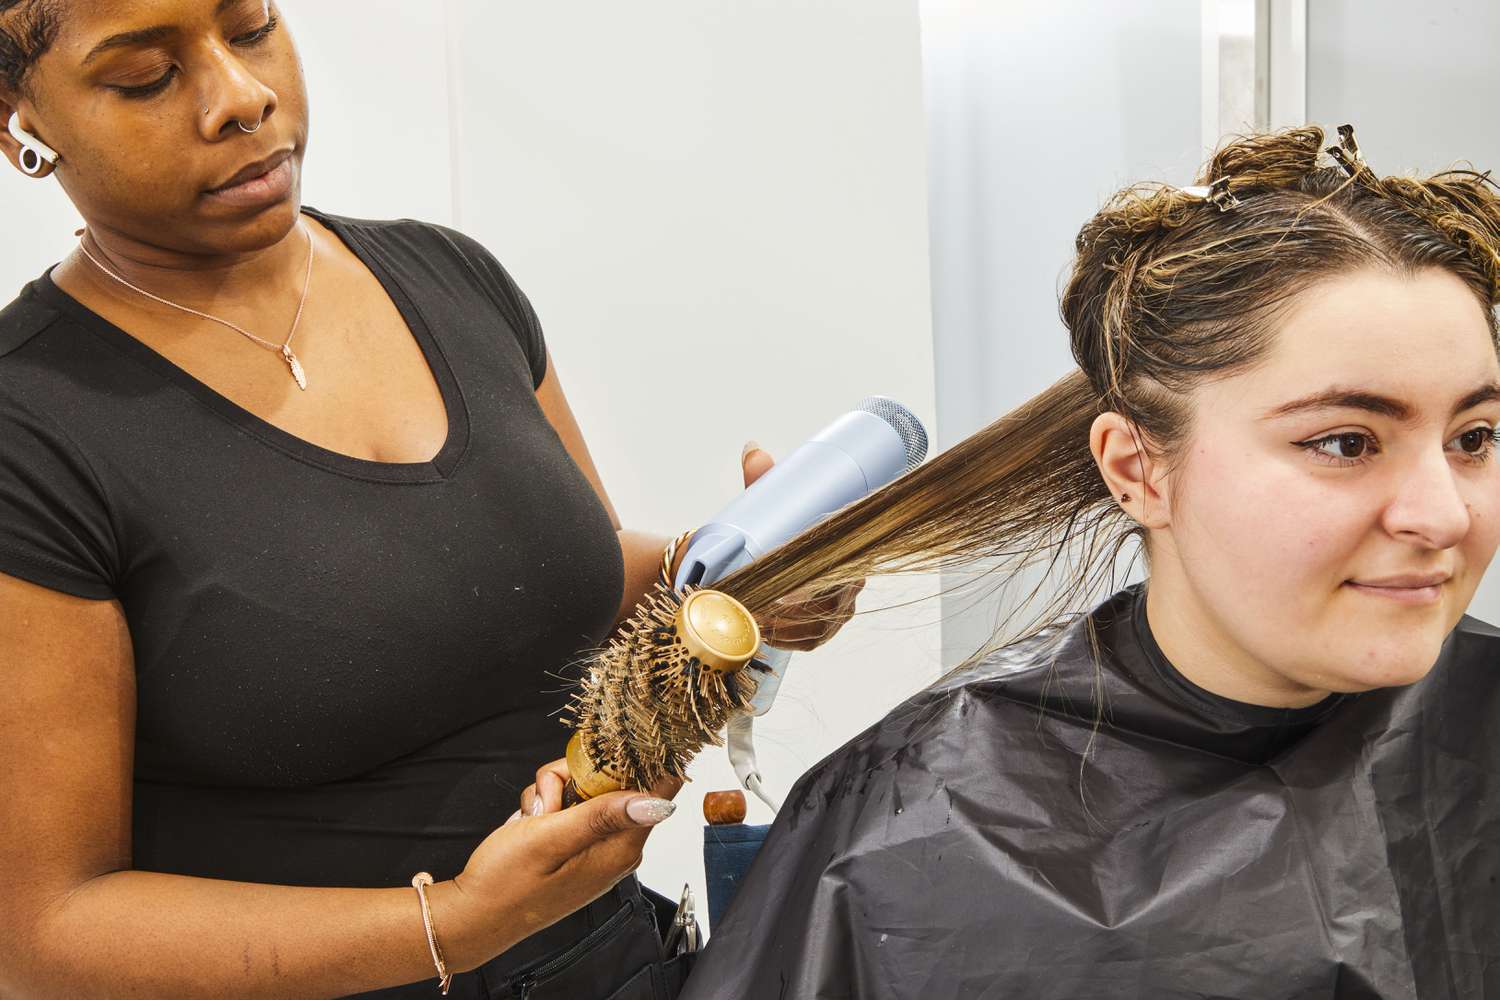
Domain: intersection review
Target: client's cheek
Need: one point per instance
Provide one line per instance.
(1273, 523)
(1484, 529)
(1477, 551)
(1301, 552)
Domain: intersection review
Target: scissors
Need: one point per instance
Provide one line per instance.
(683, 937)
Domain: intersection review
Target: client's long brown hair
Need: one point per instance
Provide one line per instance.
(1166, 290)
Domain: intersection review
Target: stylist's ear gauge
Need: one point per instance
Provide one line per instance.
(33, 150)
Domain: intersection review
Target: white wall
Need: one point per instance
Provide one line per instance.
(1417, 81)
(719, 212)
(1036, 113)
(379, 145)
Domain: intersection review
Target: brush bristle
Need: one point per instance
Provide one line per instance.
(645, 706)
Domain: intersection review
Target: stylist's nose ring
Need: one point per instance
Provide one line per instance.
(244, 129)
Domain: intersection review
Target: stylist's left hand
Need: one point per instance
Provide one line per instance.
(806, 619)
(545, 795)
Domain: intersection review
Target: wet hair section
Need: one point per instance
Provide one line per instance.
(27, 30)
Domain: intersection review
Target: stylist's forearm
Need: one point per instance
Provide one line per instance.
(145, 934)
(642, 552)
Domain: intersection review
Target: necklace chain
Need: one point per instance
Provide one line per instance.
(284, 348)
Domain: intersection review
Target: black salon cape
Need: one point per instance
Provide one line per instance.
(962, 847)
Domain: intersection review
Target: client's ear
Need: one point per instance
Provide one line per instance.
(1132, 473)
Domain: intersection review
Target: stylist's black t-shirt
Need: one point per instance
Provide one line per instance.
(346, 670)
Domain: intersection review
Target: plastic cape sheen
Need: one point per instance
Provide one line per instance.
(1206, 848)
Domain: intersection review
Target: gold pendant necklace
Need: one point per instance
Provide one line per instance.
(284, 348)
(295, 366)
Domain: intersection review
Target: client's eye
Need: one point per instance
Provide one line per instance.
(1344, 448)
(1476, 444)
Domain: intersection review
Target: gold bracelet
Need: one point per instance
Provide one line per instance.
(420, 881)
(671, 553)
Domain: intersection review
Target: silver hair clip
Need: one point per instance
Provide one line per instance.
(1216, 194)
(1346, 154)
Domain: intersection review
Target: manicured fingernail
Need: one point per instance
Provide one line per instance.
(648, 811)
(536, 806)
(513, 817)
(749, 447)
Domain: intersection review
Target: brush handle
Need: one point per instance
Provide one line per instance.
(586, 781)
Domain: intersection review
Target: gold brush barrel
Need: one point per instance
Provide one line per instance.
(710, 630)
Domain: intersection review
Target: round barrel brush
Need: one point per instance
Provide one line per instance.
(661, 691)
(667, 685)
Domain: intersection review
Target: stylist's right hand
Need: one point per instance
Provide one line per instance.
(535, 870)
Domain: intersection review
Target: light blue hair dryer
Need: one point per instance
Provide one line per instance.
(855, 455)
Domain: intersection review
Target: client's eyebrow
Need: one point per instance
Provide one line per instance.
(1374, 402)
(144, 36)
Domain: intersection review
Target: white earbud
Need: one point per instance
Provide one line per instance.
(33, 150)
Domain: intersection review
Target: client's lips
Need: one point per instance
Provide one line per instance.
(1405, 588)
(1406, 580)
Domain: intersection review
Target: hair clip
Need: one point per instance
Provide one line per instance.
(1346, 154)
(1216, 194)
